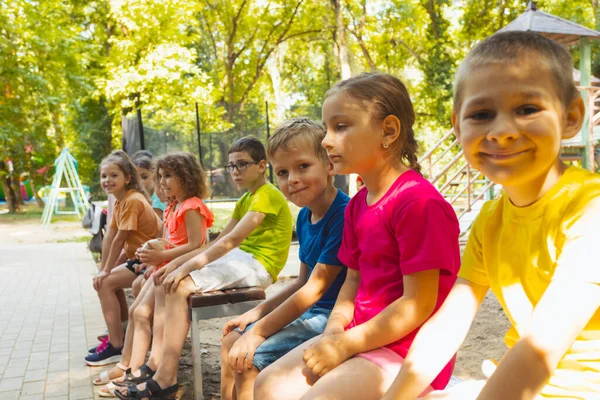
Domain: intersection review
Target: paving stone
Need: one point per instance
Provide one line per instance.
(35, 375)
(8, 384)
(33, 388)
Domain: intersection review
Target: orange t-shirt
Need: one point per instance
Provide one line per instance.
(135, 214)
(176, 231)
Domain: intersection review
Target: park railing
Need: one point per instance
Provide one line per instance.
(582, 146)
(462, 186)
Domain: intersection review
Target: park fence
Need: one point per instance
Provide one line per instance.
(144, 131)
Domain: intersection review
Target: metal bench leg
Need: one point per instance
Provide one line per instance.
(197, 354)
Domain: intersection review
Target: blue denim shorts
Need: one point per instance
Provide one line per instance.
(307, 326)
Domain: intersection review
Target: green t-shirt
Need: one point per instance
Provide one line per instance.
(270, 242)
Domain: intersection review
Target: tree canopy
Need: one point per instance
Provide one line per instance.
(70, 70)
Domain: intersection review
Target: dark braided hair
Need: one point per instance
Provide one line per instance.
(389, 97)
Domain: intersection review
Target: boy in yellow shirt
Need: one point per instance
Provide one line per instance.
(537, 246)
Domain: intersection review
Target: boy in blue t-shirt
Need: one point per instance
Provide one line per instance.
(299, 311)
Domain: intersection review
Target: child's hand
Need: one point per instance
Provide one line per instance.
(327, 353)
(172, 280)
(240, 322)
(150, 256)
(241, 354)
(334, 330)
(97, 281)
(149, 270)
(160, 275)
(139, 267)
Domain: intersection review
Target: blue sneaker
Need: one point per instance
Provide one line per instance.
(102, 343)
(105, 354)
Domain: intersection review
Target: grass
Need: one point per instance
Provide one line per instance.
(74, 239)
(30, 212)
(223, 212)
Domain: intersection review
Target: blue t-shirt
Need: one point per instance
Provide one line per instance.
(320, 242)
(156, 203)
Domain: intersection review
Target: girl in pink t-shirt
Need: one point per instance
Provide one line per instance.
(400, 244)
(187, 219)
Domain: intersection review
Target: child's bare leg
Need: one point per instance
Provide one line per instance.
(137, 286)
(289, 378)
(158, 329)
(244, 383)
(119, 278)
(357, 378)
(117, 371)
(227, 375)
(142, 334)
(177, 325)
(286, 378)
(122, 304)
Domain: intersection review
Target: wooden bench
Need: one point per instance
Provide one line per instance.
(216, 304)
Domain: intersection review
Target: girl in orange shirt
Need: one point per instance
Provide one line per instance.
(187, 219)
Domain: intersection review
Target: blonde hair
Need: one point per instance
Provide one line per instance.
(302, 128)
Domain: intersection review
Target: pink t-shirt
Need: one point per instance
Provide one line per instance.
(410, 229)
(176, 231)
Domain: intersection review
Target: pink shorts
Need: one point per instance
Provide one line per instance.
(389, 361)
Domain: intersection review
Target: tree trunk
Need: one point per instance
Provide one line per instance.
(38, 199)
(9, 195)
(340, 40)
(16, 185)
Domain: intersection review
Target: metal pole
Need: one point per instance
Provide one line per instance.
(211, 162)
(141, 126)
(585, 62)
(268, 136)
(198, 134)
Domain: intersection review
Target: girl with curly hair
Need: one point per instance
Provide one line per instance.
(187, 218)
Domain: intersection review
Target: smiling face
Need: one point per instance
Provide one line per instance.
(113, 180)
(354, 139)
(146, 179)
(170, 184)
(302, 176)
(511, 122)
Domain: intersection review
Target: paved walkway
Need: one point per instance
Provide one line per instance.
(48, 311)
(49, 316)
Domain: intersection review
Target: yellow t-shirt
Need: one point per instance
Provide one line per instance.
(518, 251)
(270, 242)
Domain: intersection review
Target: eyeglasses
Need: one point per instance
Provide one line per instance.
(241, 166)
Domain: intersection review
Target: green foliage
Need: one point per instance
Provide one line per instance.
(69, 70)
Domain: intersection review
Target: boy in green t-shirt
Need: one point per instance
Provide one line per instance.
(250, 251)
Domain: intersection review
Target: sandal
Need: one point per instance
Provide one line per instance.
(108, 390)
(104, 377)
(152, 392)
(145, 373)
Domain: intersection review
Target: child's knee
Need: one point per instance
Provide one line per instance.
(185, 288)
(227, 344)
(131, 311)
(142, 313)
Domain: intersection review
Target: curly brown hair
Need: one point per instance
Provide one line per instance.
(122, 160)
(188, 170)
